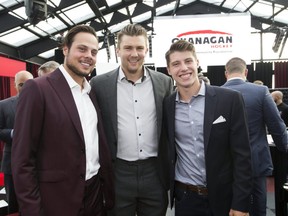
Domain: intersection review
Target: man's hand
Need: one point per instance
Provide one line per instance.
(237, 213)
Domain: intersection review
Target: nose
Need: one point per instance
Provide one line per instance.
(134, 52)
(88, 54)
(183, 66)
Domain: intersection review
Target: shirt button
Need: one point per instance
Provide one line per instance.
(140, 150)
(139, 134)
(135, 101)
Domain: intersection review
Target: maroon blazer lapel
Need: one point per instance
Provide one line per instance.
(59, 83)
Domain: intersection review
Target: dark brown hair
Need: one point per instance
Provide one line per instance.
(180, 46)
(69, 37)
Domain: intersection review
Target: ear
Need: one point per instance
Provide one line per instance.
(117, 52)
(65, 50)
(168, 70)
(246, 72)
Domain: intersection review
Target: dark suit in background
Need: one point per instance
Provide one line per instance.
(281, 106)
(7, 115)
(262, 114)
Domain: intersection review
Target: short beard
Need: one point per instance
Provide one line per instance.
(77, 72)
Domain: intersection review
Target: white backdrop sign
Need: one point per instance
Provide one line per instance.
(217, 37)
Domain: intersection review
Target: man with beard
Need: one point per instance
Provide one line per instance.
(60, 159)
(130, 98)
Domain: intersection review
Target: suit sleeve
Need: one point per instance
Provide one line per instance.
(5, 133)
(27, 131)
(241, 154)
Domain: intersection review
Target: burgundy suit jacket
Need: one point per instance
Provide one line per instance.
(48, 153)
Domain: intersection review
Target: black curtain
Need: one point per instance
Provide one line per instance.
(216, 75)
(32, 68)
(264, 73)
(251, 73)
(161, 69)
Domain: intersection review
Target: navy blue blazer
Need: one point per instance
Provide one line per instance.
(262, 112)
(227, 150)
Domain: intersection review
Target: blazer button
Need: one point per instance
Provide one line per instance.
(82, 176)
(82, 151)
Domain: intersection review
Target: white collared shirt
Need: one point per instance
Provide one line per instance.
(88, 117)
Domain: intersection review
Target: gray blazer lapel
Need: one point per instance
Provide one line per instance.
(170, 107)
(111, 90)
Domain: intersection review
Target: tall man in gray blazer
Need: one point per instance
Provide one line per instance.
(262, 114)
(130, 98)
(7, 115)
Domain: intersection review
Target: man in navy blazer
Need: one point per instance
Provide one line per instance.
(210, 157)
(60, 159)
(7, 116)
(262, 114)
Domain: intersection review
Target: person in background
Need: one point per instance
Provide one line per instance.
(7, 115)
(210, 159)
(281, 106)
(47, 68)
(258, 82)
(60, 159)
(130, 98)
(261, 114)
(204, 78)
